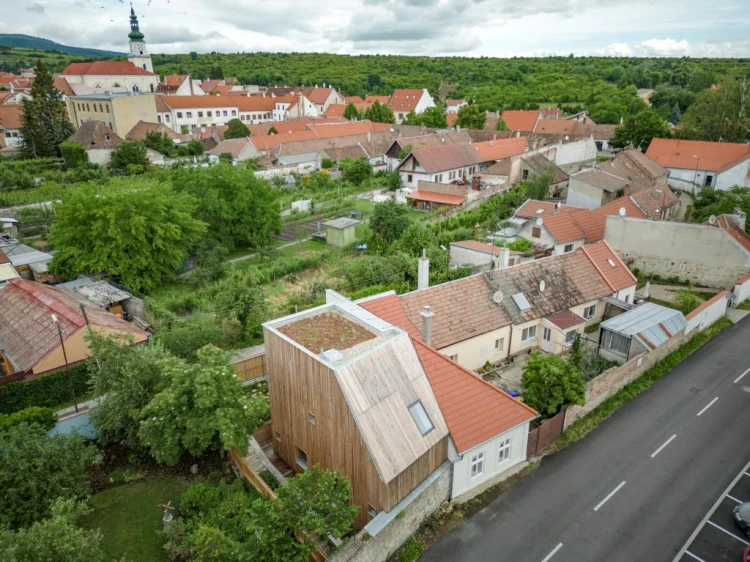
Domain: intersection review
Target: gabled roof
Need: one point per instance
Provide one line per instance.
(565, 319)
(725, 223)
(446, 157)
(346, 128)
(140, 129)
(381, 99)
(562, 227)
(601, 179)
(27, 333)
(521, 120)
(253, 103)
(531, 207)
(454, 103)
(650, 324)
(11, 116)
(614, 271)
(650, 168)
(105, 68)
(501, 148)
(404, 100)
(556, 126)
(474, 409)
(267, 142)
(231, 146)
(96, 135)
(317, 96)
(335, 110)
(389, 308)
(700, 155)
(197, 102)
(62, 85)
(655, 200)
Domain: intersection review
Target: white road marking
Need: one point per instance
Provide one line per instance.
(716, 505)
(665, 444)
(612, 493)
(734, 499)
(723, 530)
(740, 377)
(708, 405)
(694, 556)
(551, 554)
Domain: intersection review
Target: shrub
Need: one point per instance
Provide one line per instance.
(270, 479)
(44, 417)
(47, 391)
(73, 154)
(550, 383)
(412, 550)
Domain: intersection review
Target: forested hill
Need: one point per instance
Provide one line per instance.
(494, 83)
(30, 42)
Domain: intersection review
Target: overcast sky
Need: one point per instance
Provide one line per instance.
(502, 28)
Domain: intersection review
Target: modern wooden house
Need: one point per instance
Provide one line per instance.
(348, 392)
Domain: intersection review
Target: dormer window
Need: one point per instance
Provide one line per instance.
(421, 418)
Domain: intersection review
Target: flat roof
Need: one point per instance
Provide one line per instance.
(327, 331)
(342, 222)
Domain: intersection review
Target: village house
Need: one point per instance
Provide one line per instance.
(404, 101)
(120, 111)
(254, 110)
(445, 163)
(482, 256)
(10, 126)
(431, 196)
(402, 146)
(322, 98)
(523, 121)
(30, 316)
(180, 85)
(693, 165)
(573, 129)
(453, 106)
(188, 112)
(97, 140)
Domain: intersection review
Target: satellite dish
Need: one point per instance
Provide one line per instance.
(498, 297)
(539, 221)
(712, 219)
(622, 211)
(542, 285)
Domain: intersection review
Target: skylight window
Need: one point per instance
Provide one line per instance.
(611, 263)
(539, 211)
(420, 417)
(522, 302)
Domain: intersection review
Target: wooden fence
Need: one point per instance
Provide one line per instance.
(251, 368)
(545, 434)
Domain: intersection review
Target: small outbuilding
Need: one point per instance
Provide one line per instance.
(341, 232)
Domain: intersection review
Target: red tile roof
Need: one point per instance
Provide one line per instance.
(381, 99)
(439, 198)
(335, 109)
(565, 319)
(389, 308)
(453, 103)
(444, 157)
(725, 223)
(11, 116)
(595, 228)
(62, 85)
(209, 85)
(252, 103)
(521, 120)
(27, 333)
(711, 156)
(474, 409)
(562, 227)
(500, 148)
(556, 126)
(173, 81)
(105, 68)
(267, 142)
(197, 102)
(450, 119)
(609, 265)
(529, 209)
(404, 100)
(353, 99)
(317, 96)
(346, 129)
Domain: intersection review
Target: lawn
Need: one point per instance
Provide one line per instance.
(129, 518)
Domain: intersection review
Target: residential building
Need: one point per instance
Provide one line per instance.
(98, 140)
(453, 106)
(182, 113)
(11, 117)
(322, 98)
(106, 75)
(482, 256)
(240, 149)
(573, 129)
(254, 110)
(180, 85)
(404, 101)
(431, 196)
(29, 337)
(445, 163)
(693, 165)
(403, 145)
(495, 150)
(120, 111)
(142, 128)
(7, 271)
(523, 121)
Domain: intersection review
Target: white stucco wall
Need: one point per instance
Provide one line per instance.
(424, 102)
(545, 239)
(582, 194)
(598, 313)
(742, 290)
(517, 344)
(707, 316)
(475, 352)
(100, 156)
(575, 152)
(627, 294)
(559, 249)
(692, 179)
(462, 479)
(460, 256)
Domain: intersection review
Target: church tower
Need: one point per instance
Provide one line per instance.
(138, 52)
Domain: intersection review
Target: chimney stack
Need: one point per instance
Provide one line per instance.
(427, 315)
(369, 137)
(423, 272)
(504, 260)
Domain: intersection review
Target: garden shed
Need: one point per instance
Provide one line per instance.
(341, 232)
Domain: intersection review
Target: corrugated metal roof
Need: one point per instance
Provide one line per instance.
(102, 293)
(650, 324)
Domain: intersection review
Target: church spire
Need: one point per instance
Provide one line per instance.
(135, 33)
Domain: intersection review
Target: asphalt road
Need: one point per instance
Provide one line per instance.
(629, 491)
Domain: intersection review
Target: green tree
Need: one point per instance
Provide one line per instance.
(550, 383)
(686, 301)
(54, 538)
(388, 222)
(185, 338)
(538, 185)
(502, 125)
(270, 536)
(415, 238)
(433, 117)
(135, 229)
(210, 544)
(160, 142)
(237, 297)
(471, 117)
(201, 405)
(44, 122)
(640, 129)
(722, 114)
(73, 154)
(36, 469)
(216, 73)
(351, 112)
(130, 156)
(355, 170)
(710, 201)
(380, 113)
(272, 131)
(675, 116)
(236, 129)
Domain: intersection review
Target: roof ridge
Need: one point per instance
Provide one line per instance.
(39, 293)
(598, 269)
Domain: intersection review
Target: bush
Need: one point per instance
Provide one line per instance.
(47, 391)
(412, 550)
(184, 338)
(73, 154)
(44, 417)
(270, 479)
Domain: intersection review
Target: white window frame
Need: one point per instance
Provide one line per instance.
(546, 334)
(189, 114)
(568, 248)
(504, 450)
(589, 312)
(569, 341)
(499, 345)
(476, 465)
(529, 333)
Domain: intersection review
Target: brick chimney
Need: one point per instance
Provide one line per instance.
(427, 315)
(423, 272)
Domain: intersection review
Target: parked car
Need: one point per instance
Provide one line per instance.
(746, 555)
(742, 517)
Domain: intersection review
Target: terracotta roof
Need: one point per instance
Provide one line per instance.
(501, 148)
(4, 257)
(599, 132)
(381, 99)
(610, 209)
(105, 68)
(27, 333)
(173, 81)
(521, 120)
(711, 156)
(223, 89)
(4, 95)
(347, 128)
(530, 207)
(463, 309)
(725, 223)
(335, 109)
(161, 105)
(139, 130)
(478, 246)
(198, 102)
(565, 319)
(562, 227)
(614, 271)
(353, 99)
(450, 119)
(267, 142)
(231, 146)
(96, 135)
(253, 103)
(340, 152)
(655, 200)
(62, 85)
(11, 116)
(404, 100)
(474, 409)
(453, 103)
(317, 96)
(601, 179)
(209, 85)
(439, 198)
(389, 308)
(446, 157)
(650, 168)
(556, 126)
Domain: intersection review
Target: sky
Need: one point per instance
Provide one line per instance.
(496, 28)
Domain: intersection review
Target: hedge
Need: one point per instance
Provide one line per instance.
(45, 417)
(47, 391)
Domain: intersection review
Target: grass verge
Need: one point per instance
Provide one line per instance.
(582, 427)
(129, 517)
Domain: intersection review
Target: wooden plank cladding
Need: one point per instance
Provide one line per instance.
(251, 368)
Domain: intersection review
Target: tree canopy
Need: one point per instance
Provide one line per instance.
(351, 112)
(380, 113)
(131, 156)
(236, 129)
(639, 129)
(721, 114)
(471, 117)
(431, 117)
(551, 382)
(388, 222)
(138, 230)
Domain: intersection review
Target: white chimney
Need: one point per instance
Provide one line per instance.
(369, 138)
(427, 315)
(504, 259)
(423, 272)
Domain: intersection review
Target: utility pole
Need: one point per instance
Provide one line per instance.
(65, 356)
